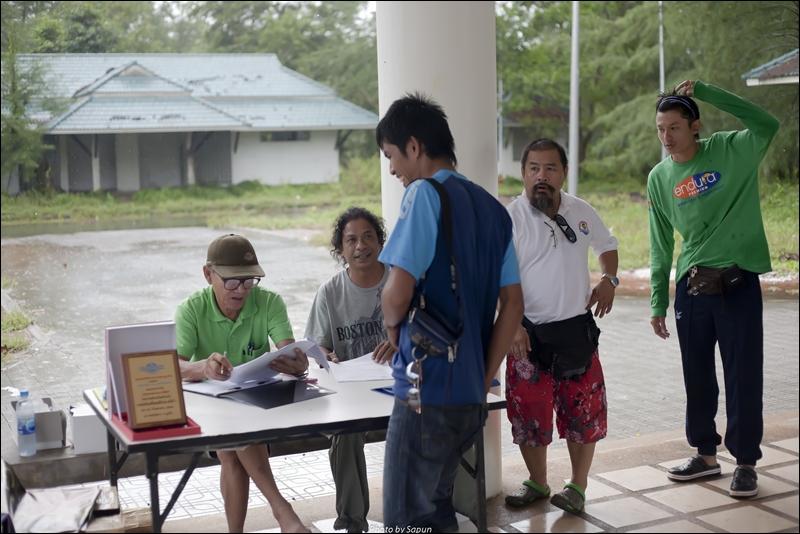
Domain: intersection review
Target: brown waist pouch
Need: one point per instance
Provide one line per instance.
(713, 281)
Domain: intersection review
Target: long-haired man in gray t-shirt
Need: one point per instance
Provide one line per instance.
(347, 322)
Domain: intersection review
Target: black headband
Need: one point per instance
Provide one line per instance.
(683, 101)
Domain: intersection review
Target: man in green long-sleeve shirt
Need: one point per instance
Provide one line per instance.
(707, 190)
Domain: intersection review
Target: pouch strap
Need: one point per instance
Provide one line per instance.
(447, 228)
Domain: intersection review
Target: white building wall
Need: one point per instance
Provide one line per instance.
(285, 162)
(127, 154)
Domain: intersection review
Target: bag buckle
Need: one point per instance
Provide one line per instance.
(451, 352)
(414, 375)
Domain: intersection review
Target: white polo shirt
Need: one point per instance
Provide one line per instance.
(553, 271)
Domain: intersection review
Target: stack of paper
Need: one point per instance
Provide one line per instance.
(256, 372)
(361, 369)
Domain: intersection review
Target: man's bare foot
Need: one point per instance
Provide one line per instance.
(287, 519)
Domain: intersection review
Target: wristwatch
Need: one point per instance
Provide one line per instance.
(611, 278)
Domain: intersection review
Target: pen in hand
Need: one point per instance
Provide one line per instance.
(222, 369)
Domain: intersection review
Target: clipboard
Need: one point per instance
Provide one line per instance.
(278, 394)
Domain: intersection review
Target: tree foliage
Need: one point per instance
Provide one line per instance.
(713, 41)
(21, 137)
(334, 43)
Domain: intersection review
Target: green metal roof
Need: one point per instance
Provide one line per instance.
(187, 92)
(785, 66)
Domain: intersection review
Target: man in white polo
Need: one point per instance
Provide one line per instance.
(554, 361)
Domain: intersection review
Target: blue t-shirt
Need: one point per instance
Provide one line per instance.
(485, 260)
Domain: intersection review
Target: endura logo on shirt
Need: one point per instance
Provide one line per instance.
(697, 185)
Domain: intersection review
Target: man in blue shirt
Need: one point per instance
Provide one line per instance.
(423, 450)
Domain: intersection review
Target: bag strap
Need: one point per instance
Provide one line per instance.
(447, 226)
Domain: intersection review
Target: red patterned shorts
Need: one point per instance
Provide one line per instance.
(580, 404)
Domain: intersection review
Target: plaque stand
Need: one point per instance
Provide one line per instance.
(158, 432)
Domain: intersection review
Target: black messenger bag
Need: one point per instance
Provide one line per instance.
(430, 332)
(564, 348)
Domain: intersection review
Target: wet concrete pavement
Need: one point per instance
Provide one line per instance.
(75, 285)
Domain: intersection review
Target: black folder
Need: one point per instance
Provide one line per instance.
(278, 393)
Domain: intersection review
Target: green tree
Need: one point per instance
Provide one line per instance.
(18, 18)
(49, 36)
(712, 41)
(86, 30)
(743, 36)
(235, 26)
(533, 62)
(149, 26)
(62, 27)
(21, 142)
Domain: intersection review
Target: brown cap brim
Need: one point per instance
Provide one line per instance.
(238, 271)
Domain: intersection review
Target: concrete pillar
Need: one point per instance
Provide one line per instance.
(190, 179)
(64, 162)
(445, 50)
(95, 163)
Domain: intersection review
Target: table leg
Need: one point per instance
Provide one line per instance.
(112, 459)
(182, 483)
(152, 476)
(480, 478)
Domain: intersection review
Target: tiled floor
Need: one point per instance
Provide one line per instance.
(639, 499)
(747, 519)
(646, 501)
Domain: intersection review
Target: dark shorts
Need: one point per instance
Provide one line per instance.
(579, 402)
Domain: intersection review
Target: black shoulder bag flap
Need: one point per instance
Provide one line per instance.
(564, 347)
(430, 332)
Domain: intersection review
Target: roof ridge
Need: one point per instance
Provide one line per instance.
(118, 71)
(71, 111)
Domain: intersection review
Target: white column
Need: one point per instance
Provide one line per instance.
(445, 50)
(95, 163)
(64, 162)
(661, 59)
(574, 103)
(190, 180)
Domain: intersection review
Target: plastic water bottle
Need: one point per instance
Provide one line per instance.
(26, 425)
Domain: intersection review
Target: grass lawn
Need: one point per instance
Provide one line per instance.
(621, 204)
(14, 338)
(623, 207)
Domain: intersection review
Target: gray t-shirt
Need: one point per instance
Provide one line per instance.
(346, 318)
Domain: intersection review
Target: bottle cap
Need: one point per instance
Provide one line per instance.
(23, 393)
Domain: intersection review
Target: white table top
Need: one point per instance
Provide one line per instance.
(224, 422)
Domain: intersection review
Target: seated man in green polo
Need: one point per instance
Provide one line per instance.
(224, 325)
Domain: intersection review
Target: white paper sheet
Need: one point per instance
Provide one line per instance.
(221, 387)
(256, 372)
(361, 369)
(258, 369)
